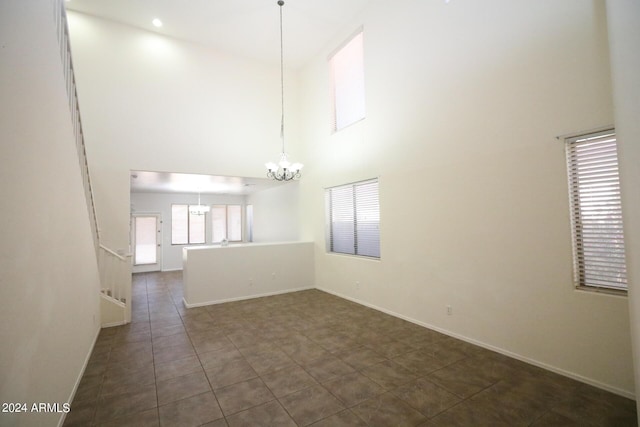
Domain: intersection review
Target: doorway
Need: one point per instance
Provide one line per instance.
(147, 242)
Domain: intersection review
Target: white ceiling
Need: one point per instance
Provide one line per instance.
(169, 182)
(248, 28)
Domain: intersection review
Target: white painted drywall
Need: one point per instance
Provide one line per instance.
(464, 101)
(624, 36)
(155, 103)
(49, 283)
(276, 213)
(217, 274)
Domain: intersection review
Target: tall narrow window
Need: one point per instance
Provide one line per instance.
(197, 230)
(234, 223)
(347, 83)
(249, 223)
(186, 228)
(353, 219)
(596, 212)
(219, 218)
(227, 223)
(179, 224)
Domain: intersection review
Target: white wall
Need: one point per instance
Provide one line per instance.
(276, 213)
(49, 284)
(218, 274)
(464, 101)
(624, 35)
(141, 203)
(155, 103)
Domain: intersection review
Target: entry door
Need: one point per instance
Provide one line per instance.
(147, 242)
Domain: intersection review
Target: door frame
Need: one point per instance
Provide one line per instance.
(144, 268)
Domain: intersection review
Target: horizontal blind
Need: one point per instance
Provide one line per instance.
(353, 219)
(342, 234)
(234, 223)
(197, 231)
(219, 221)
(179, 224)
(596, 211)
(368, 219)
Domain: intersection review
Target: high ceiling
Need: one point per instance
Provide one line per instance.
(248, 28)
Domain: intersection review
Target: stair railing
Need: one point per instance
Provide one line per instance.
(115, 277)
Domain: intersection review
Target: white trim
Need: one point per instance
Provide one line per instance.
(222, 301)
(156, 266)
(171, 269)
(345, 42)
(572, 375)
(112, 324)
(584, 132)
(112, 299)
(79, 379)
(115, 254)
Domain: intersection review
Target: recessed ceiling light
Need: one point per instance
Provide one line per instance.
(157, 23)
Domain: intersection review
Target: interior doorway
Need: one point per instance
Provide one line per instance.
(147, 242)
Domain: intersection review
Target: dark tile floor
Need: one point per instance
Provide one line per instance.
(310, 358)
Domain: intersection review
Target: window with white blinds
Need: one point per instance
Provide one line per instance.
(219, 218)
(353, 219)
(186, 228)
(347, 83)
(227, 223)
(596, 212)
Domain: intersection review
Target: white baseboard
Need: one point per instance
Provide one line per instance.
(572, 375)
(171, 269)
(112, 324)
(268, 294)
(79, 379)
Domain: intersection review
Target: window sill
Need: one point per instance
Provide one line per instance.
(603, 291)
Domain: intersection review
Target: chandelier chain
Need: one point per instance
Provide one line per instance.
(281, 3)
(283, 170)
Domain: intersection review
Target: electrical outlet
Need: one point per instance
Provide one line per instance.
(273, 275)
(357, 285)
(250, 282)
(449, 310)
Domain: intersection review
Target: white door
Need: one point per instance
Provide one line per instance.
(147, 242)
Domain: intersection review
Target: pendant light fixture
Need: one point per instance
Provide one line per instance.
(198, 209)
(284, 170)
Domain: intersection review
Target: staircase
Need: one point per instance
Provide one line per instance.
(115, 269)
(115, 292)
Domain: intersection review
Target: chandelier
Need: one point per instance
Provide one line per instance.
(198, 209)
(284, 170)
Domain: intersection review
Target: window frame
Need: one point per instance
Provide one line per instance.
(337, 81)
(226, 223)
(598, 248)
(188, 233)
(356, 218)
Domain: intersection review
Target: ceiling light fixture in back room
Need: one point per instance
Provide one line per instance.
(283, 170)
